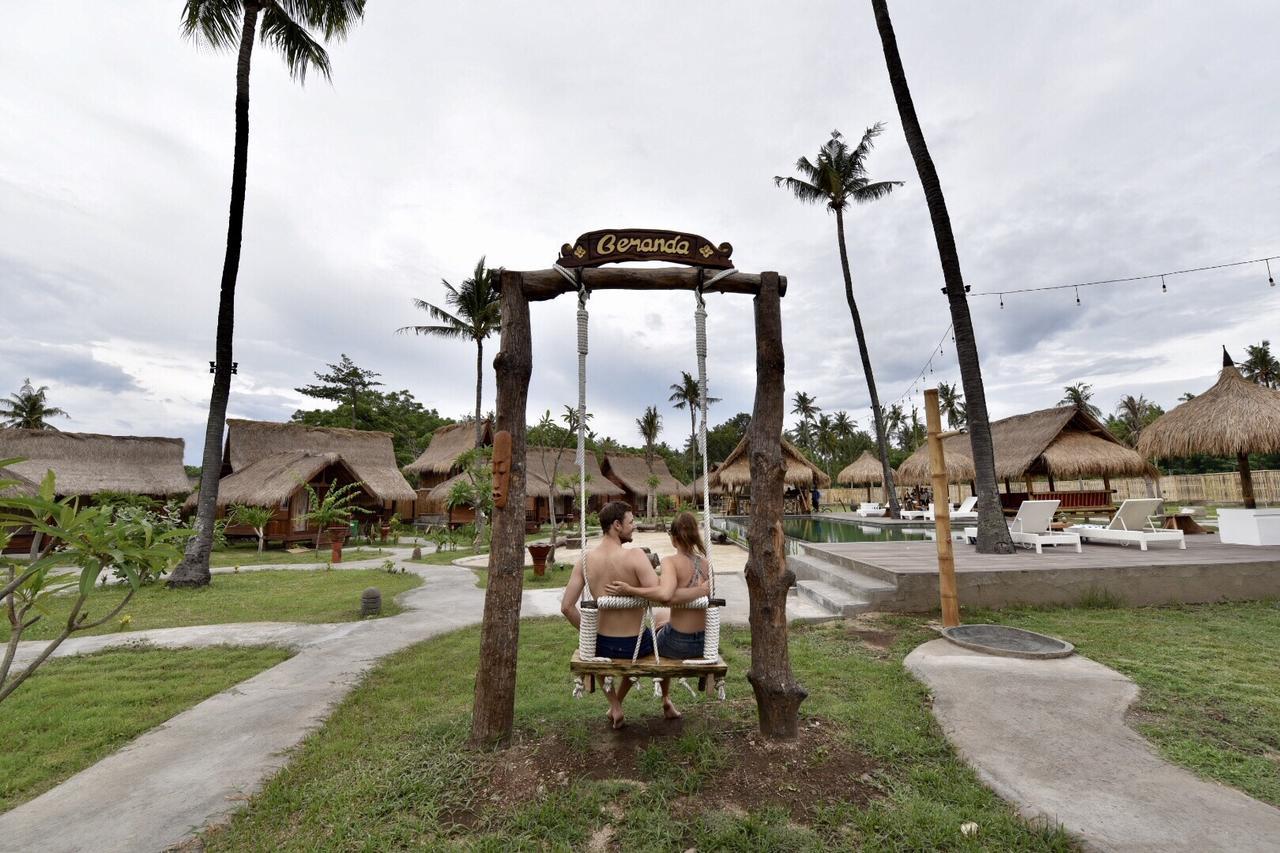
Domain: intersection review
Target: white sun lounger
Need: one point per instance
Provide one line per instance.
(1030, 527)
(1134, 522)
(917, 514)
(966, 512)
(869, 510)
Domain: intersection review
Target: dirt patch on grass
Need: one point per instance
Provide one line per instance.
(734, 769)
(871, 632)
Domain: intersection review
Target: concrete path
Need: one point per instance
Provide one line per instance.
(201, 765)
(1050, 737)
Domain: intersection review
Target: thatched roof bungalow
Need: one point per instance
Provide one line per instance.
(439, 461)
(19, 486)
(866, 470)
(1062, 442)
(270, 464)
(735, 471)
(85, 464)
(631, 473)
(1234, 418)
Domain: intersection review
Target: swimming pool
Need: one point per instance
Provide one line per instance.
(805, 528)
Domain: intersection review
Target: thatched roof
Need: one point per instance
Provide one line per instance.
(1234, 416)
(541, 469)
(272, 479)
(20, 486)
(865, 470)
(1058, 442)
(447, 444)
(632, 472)
(85, 463)
(736, 469)
(368, 454)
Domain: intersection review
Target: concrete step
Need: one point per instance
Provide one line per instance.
(868, 570)
(862, 585)
(831, 598)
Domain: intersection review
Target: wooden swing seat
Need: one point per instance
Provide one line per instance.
(646, 667)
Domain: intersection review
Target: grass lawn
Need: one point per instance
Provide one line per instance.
(247, 555)
(1209, 674)
(266, 596)
(871, 771)
(50, 731)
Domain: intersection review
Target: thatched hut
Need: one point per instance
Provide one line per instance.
(18, 485)
(439, 463)
(85, 464)
(270, 464)
(631, 473)
(1235, 417)
(865, 470)
(735, 471)
(1057, 443)
(544, 465)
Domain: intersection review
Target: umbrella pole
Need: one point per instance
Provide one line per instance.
(941, 512)
(1246, 481)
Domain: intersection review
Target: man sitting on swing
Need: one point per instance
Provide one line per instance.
(626, 571)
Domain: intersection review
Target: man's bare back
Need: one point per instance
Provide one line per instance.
(606, 565)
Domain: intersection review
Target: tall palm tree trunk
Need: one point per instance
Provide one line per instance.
(993, 533)
(882, 441)
(478, 542)
(194, 568)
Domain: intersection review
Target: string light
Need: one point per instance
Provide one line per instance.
(1163, 289)
(1077, 296)
(1130, 279)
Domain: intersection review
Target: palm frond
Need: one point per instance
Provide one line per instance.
(299, 49)
(863, 150)
(332, 17)
(438, 331)
(874, 192)
(802, 190)
(214, 22)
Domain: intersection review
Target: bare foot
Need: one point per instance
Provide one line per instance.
(615, 719)
(669, 710)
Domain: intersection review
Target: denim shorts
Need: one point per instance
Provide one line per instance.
(678, 644)
(623, 647)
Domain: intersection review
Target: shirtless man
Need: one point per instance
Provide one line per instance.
(608, 563)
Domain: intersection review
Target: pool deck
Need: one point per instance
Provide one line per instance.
(1206, 571)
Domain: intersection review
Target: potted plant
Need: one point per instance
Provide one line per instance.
(333, 512)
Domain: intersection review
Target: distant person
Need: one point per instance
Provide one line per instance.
(816, 496)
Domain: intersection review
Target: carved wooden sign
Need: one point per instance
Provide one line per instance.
(615, 245)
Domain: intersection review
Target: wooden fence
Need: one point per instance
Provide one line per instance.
(1223, 488)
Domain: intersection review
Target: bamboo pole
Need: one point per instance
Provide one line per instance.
(941, 512)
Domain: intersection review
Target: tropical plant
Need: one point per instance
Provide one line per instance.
(650, 425)
(344, 383)
(1131, 417)
(685, 394)
(94, 540)
(894, 417)
(1079, 395)
(477, 314)
(28, 409)
(476, 490)
(335, 508)
(1260, 365)
(951, 405)
(993, 532)
(287, 26)
(257, 517)
(838, 177)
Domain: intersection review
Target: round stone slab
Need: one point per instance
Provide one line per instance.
(1008, 642)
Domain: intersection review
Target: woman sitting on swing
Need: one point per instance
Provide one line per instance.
(684, 577)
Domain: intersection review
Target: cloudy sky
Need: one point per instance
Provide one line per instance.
(1075, 142)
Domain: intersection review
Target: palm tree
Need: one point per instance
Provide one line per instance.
(894, 417)
(993, 532)
(1133, 414)
(951, 404)
(838, 177)
(287, 26)
(650, 425)
(843, 425)
(1079, 395)
(28, 409)
(685, 394)
(1261, 366)
(477, 315)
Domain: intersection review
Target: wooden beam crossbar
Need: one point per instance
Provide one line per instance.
(541, 285)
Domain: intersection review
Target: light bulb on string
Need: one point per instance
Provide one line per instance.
(1002, 300)
(1270, 279)
(1163, 289)
(1077, 296)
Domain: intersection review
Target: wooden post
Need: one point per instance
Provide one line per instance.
(1246, 481)
(493, 712)
(778, 694)
(941, 512)
(1052, 486)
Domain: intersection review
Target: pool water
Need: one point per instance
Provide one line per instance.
(805, 528)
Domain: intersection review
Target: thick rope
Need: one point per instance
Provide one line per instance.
(582, 423)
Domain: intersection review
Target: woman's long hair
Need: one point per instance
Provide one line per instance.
(687, 534)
